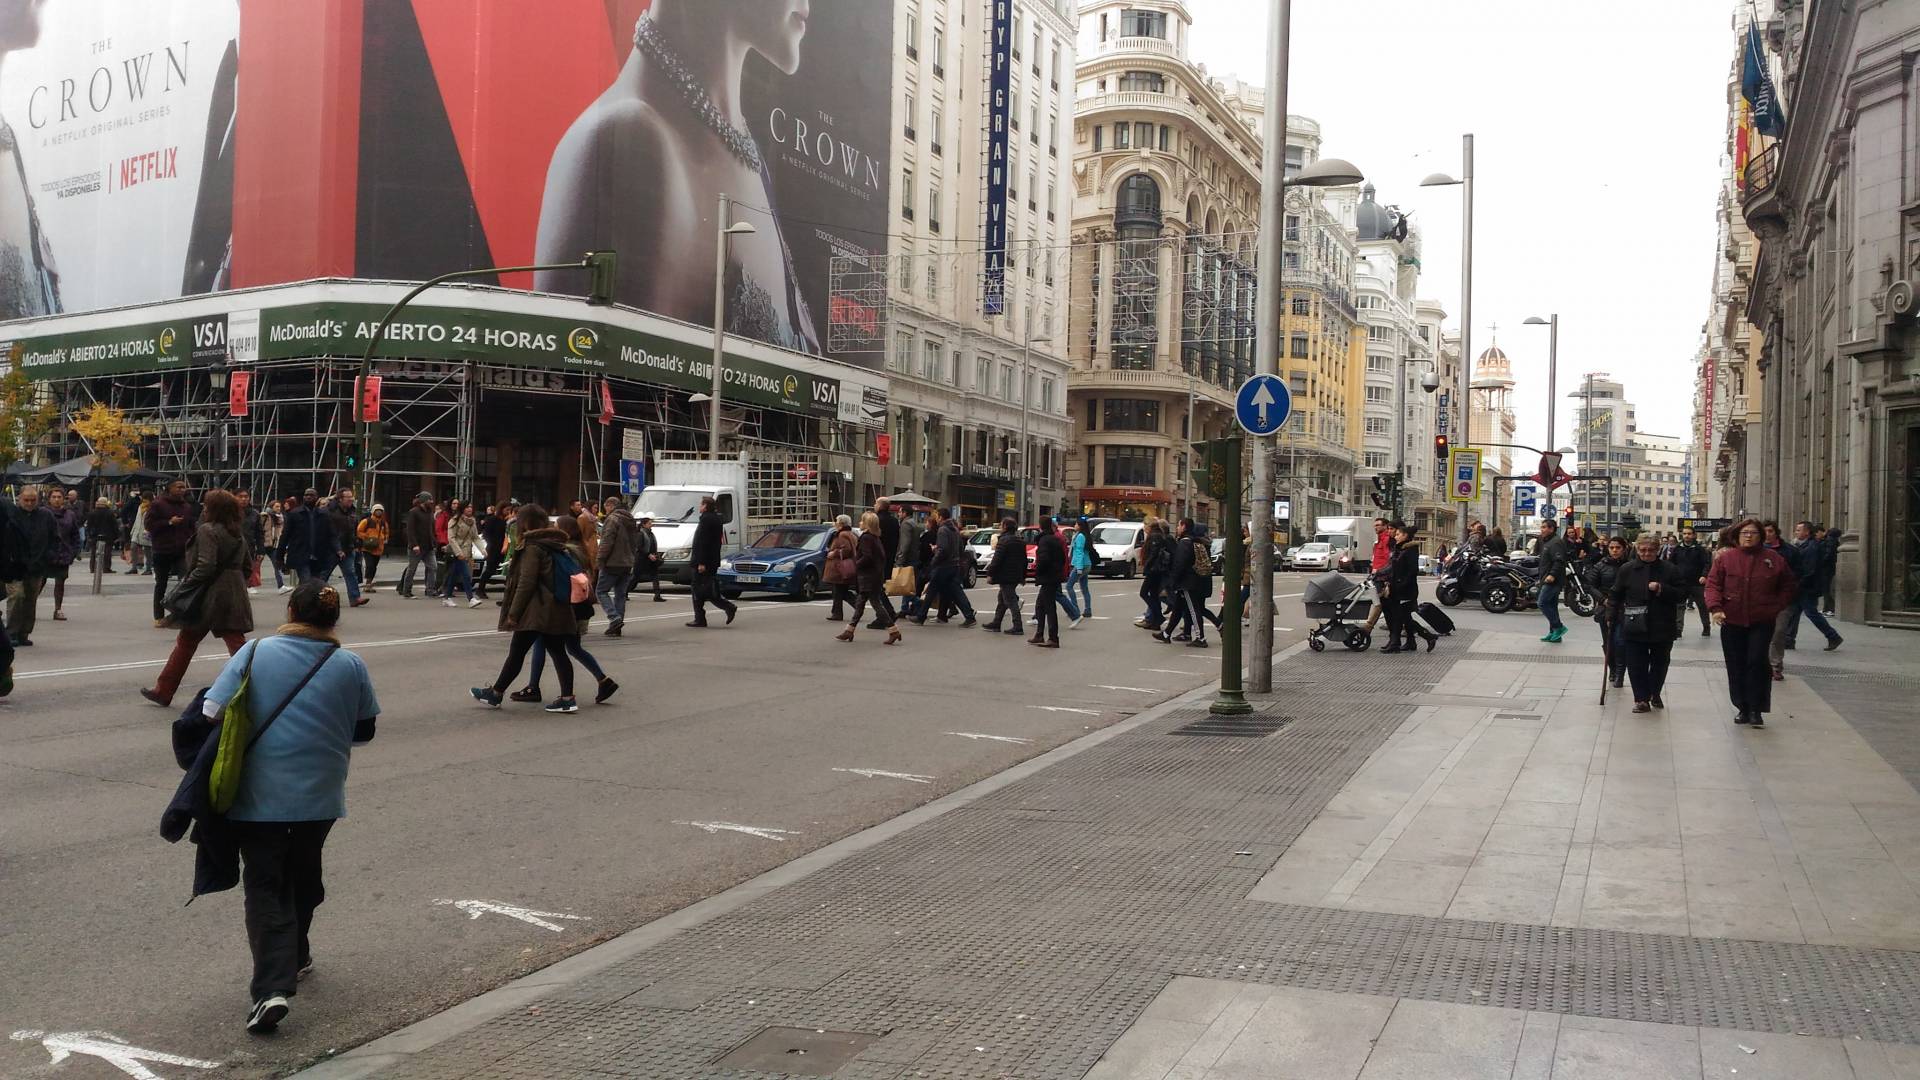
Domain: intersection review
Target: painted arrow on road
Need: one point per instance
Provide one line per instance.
(717, 827)
(1004, 738)
(876, 774)
(1133, 689)
(109, 1048)
(1059, 708)
(477, 908)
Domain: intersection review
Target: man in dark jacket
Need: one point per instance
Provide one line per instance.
(103, 532)
(1156, 555)
(306, 539)
(890, 542)
(493, 529)
(421, 546)
(1007, 569)
(1180, 575)
(170, 521)
(1556, 559)
(66, 545)
(949, 571)
(343, 528)
(1690, 560)
(1049, 570)
(33, 527)
(619, 550)
(646, 557)
(709, 537)
(1810, 559)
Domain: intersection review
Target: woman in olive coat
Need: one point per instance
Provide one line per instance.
(217, 561)
(531, 611)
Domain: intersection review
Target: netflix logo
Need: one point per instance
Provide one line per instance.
(161, 164)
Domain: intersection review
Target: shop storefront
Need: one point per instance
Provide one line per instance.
(1126, 503)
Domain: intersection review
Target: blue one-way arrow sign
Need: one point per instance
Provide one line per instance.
(1263, 404)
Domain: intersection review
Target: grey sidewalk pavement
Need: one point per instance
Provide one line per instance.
(1453, 863)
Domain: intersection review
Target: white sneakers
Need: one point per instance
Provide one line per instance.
(475, 602)
(267, 1014)
(285, 589)
(448, 602)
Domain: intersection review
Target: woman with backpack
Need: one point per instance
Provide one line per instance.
(217, 560)
(582, 562)
(1080, 562)
(533, 612)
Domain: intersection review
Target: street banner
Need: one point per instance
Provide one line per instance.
(1463, 475)
(883, 448)
(1000, 46)
(606, 403)
(238, 383)
(370, 400)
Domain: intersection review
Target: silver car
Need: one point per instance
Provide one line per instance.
(1314, 556)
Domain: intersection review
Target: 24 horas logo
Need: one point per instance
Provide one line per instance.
(582, 340)
(168, 339)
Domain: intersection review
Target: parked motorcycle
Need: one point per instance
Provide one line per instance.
(1507, 584)
(1462, 577)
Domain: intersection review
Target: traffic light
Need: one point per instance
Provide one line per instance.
(1440, 447)
(1380, 490)
(600, 267)
(350, 455)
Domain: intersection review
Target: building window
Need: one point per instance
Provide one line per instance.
(982, 375)
(906, 194)
(1297, 383)
(1131, 466)
(933, 278)
(1033, 121)
(1122, 136)
(1046, 395)
(1379, 333)
(1379, 395)
(913, 112)
(1166, 138)
(939, 51)
(1053, 133)
(1293, 227)
(934, 124)
(1093, 413)
(1124, 414)
(1053, 66)
(930, 359)
(1006, 382)
(1097, 129)
(1143, 136)
(933, 208)
(1149, 81)
(1378, 461)
(913, 36)
(1151, 24)
(902, 351)
(905, 259)
(1302, 305)
(1299, 347)
(953, 379)
(1051, 202)
(1379, 363)
(1377, 425)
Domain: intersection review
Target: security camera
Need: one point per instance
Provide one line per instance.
(1431, 382)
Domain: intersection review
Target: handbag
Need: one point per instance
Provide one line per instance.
(1633, 619)
(185, 599)
(237, 733)
(902, 582)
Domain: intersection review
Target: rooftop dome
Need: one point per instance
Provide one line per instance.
(1492, 353)
(1371, 220)
(1493, 367)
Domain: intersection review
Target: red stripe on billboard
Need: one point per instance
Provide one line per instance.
(298, 137)
(514, 80)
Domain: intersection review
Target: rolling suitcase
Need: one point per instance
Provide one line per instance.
(1437, 620)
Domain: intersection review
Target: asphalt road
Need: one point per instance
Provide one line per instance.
(587, 816)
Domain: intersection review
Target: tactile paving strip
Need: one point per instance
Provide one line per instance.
(1019, 935)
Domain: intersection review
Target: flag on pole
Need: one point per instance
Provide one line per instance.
(1756, 88)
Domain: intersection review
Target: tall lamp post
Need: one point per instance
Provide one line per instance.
(1464, 437)
(1326, 172)
(723, 228)
(1552, 322)
(1430, 384)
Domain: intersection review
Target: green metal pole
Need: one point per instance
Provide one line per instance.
(1231, 701)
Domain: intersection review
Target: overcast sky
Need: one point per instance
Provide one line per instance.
(1598, 151)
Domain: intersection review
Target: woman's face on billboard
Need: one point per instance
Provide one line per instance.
(773, 28)
(19, 23)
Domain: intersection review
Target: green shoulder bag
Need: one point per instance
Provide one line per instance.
(238, 734)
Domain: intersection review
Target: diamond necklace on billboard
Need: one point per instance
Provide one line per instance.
(999, 109)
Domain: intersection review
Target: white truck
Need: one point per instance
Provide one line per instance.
(673, 501)
(1348, 540)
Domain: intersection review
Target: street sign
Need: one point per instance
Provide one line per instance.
(1524, 500)
(633, 477)
(1463, 475)
(1548, 510)
(1263, 404)
(633, 443)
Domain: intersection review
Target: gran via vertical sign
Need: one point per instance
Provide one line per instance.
(999, 112)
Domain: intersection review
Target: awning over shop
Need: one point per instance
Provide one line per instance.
(77, 470)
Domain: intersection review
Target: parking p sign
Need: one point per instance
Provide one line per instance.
(1463, 475)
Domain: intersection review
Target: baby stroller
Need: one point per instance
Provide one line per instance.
(1341, 602)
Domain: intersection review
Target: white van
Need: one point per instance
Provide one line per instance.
(1113, 548)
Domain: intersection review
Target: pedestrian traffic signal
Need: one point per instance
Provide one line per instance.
(1440, 447)
(600, 268)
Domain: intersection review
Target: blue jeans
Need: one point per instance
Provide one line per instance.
(611, 591)
(1808, 605)
(1079, 577)
(1065, 598)
(574, 650)
(460, 575)
(1550, 606)
(950, 585)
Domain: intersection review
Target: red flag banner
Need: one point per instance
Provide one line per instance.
(606, 402)
(370, 400)
(883, 448)
(238, 384)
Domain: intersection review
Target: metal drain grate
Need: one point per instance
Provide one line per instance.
(1257, 726)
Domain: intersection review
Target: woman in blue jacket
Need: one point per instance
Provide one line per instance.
(311, 702)
(1081, 559)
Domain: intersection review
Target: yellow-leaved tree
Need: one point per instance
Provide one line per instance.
(26, 415)
(114, 438)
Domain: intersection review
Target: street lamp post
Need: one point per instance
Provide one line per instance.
(723, 228)
(1400, 438)
(1464, 437)
(1552, 323)
(1326, 172)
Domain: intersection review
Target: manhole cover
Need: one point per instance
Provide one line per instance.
(798, 1051)
(1236, 727)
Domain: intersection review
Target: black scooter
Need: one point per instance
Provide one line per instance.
(1461, 577)
(1507, 584)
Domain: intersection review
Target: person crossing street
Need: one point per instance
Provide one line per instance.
(31, 526)
(619, 552)
(1049, 570)
(1007, 569)
(709, 538)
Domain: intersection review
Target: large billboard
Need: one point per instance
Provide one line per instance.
(118, 183)
(538, 131)
(401, 139)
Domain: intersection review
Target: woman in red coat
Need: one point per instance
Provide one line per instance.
(1747, 586)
